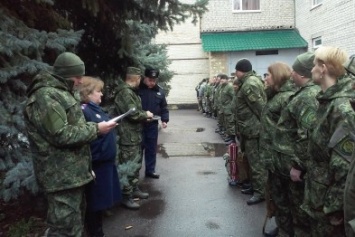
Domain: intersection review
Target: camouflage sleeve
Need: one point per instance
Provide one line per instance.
(56, 128)
(254, 99)
(125, 100)
(342, 146)
(338, 168)
(229, 105)
(306, 119)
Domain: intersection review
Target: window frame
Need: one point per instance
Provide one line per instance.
(316, 3)
(241, 5)
(314, 42)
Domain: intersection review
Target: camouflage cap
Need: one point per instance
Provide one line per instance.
(349, 65)
(133, 71)
(303, 64)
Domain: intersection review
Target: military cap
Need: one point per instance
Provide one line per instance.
(303, 64)
(349, 65)
(243, 65)
(133, 71)
(68, 65)
(151, 72)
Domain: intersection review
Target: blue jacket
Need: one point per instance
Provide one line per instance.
(154, 100)
(105, 190)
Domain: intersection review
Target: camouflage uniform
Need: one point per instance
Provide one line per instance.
(59, 138)
(217, 102)
(130, 133)
(208, 98)
(290, 133)
(329, 163)
(226, 107)
(251, 99)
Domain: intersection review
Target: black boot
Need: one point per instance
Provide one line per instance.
(94, 224)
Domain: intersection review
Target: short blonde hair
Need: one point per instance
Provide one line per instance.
(88, 85)
(280, 72)
(333, 58)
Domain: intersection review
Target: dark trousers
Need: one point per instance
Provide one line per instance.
(149, 146)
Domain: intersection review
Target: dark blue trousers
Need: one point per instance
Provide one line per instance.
(149, 146)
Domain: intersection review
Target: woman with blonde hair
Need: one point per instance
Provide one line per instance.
(329, 156)
(278, 83)
(105, 191)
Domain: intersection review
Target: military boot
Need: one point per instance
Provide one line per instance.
(128, 202)
(137, 193)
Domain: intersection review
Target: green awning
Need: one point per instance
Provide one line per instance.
(252, 40)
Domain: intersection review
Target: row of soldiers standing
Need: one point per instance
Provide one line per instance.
(297, 137)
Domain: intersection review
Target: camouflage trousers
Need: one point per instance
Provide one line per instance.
(208, 105)
(130, 162)
(257, 169)
(288, 197)
(220, 120)
(66, 213)
(229, 123)
(321, 227)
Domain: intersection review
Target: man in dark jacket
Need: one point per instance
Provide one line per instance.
(153, 99)
(59, 137)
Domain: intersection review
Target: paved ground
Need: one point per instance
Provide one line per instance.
(192, 198)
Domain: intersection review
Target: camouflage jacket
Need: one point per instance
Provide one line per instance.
(130, 128)
(208, 91)
(251, 99)
(296, 120)
(271, 113)
(226, 99)
(58, 133)
(328, 165)
(217, 101)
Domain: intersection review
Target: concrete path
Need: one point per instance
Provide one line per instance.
(192, 198)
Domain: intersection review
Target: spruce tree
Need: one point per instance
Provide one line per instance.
(22, 49)
(108, 35)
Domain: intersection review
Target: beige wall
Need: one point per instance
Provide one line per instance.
(333, 20)
(189, 61)
(272, 14)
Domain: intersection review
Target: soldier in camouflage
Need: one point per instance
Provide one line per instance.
(281, 88)
(349, 191)
(290, 143)
(209, 97)
(329, 161)
(226, 108)
(59, 137)
(251, 99)
(130, 134)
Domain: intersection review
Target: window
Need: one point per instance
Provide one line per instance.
(317, 42)
(316, 2)
(246, 5)
(266, 52)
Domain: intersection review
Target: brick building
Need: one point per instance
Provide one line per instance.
(262, 31)
(327, 22)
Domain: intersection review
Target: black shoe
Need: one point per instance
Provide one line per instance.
(249, 191)
(152, 175)
(255, 199)
(246, 185)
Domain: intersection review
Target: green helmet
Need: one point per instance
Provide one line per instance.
(68, 65)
